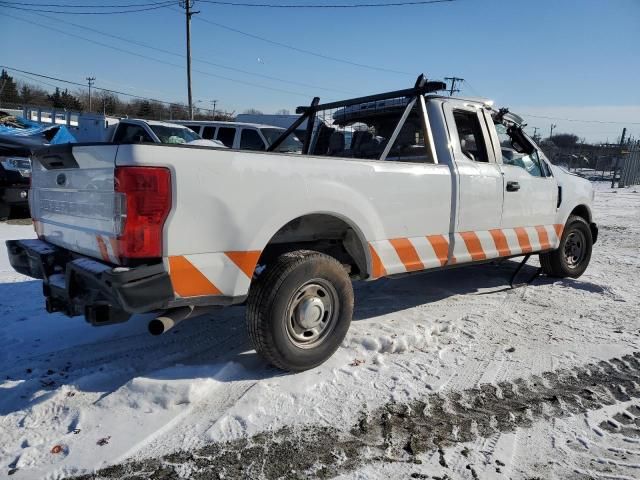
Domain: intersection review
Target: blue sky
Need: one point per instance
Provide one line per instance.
(566, 59)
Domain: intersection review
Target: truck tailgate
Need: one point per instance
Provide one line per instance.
(73, 200)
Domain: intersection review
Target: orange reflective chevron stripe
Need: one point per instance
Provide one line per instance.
(407, 254)
(440, 247)
(188, 281)
(523, 239)
(559, 228)
(400, 255)
(377, 267)
(502, 245)
(245, 261)
(474, 246)
(543, 237)
(102, 246)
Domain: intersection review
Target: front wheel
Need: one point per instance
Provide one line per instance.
(299, 310)
(572, 257)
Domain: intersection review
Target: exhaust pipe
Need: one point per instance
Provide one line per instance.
(174, 316)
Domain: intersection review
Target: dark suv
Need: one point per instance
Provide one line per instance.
(15, 171)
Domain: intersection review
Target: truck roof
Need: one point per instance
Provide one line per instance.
(222, 122)
(151, 122)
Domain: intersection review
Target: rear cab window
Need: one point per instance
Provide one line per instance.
(470, 136)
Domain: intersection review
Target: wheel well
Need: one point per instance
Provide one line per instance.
(582, 211)
(323, 233)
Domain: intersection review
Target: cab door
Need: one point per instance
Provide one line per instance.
(479, 183)
(530, 190)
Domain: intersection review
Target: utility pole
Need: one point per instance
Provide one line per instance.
(90, 80)
(453, 88)
(188, 5)
(618, 158)
(213, 112)
(553, 125)
(535, 133)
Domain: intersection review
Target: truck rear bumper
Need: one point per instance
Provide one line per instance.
(78, 285)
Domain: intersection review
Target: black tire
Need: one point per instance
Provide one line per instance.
(276, 304)
(5, 212)
(562, 262)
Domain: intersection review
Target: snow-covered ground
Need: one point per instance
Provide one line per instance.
(446, 373)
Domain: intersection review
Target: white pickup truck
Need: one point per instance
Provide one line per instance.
(386, 185)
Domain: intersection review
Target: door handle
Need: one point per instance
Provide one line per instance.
(513, 186)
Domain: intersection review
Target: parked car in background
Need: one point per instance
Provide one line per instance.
(152, 131)
(15, 172)
(244, 136)
(275, 120)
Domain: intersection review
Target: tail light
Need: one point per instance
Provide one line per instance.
(146, 195)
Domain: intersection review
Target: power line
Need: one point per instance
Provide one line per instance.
(302, 50)
(578, 120)
(329, 5)
(66, 5)
(70, 82)
(116, 12)
(213, 75)
(249, 4)
(201, 60)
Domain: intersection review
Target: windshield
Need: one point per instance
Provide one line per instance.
(174, 134)
(290, 144)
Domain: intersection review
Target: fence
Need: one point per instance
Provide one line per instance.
(630, 169)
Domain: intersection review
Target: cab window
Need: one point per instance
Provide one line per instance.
(470, 136)
(226, 136)
(127, 133)
(250, 140)
(208, 133)
(514, 153)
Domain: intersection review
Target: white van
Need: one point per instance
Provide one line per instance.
(243, 136)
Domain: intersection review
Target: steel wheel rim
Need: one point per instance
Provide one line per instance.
(575, 249)
(311, 313)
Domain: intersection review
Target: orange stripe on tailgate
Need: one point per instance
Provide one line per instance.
(544, 237)
(115, 246)
(376, 264)
(501, 242)
(246, 261)
(104, 252)
(523, 239)
(474, 246)
(559, 228)
(441, 247)
(188, 281)
(407, 253)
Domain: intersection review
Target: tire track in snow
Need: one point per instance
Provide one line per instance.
(402, 432)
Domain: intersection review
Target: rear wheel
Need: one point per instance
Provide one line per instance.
(574, 253)
(299, 310)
